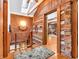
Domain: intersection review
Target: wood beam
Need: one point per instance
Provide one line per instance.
(34, 7)
(75, 29)
(1, 29)
(5, 19)
(58, 30)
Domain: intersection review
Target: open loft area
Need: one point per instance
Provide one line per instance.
(38, 29)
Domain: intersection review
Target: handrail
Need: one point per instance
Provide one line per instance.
(28, 37)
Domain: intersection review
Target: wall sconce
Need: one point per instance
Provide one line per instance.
(22, 25)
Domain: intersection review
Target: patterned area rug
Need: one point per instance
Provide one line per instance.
(36, 53)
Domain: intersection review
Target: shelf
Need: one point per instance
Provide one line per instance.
(66, 30)
(37, 31)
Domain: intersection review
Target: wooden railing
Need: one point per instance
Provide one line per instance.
(17, 37)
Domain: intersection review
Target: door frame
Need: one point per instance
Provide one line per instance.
(58, 28)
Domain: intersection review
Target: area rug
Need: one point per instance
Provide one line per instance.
(37, 53)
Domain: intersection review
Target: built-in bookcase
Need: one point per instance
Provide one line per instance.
(37, 32)
(66, 29)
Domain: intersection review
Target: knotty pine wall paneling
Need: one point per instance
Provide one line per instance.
(15, 20)
(1, 29)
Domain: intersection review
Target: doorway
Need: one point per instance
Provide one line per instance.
(51, 27)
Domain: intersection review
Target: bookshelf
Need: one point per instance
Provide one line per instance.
(66, 30)
(37, 32)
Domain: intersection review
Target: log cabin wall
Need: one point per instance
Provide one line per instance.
(48, 5)
(15, 20)
(1, 29)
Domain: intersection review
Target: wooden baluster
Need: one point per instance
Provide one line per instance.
(15, 41)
